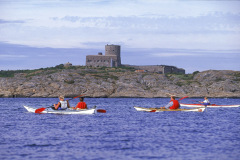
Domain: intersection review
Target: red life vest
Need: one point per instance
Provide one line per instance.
(81, 105)
(175, 105)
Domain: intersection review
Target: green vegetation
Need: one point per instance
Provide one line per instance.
(185, 79)
(196, 72)
(101, 72)
(10, 73)
(128, 68)
(180, 76)
(7, 73)
(180, 84)
(185, 76)
(237, 74)
(29, 73)
(69, 81)
(104, 76)
(219, 79)
(114, 69)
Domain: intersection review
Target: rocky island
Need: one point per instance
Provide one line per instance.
(117, 82)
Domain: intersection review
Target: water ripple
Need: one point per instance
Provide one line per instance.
(121, 133)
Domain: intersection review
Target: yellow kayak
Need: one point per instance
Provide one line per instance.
(200, 109)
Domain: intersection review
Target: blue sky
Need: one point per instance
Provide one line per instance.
(189, 34)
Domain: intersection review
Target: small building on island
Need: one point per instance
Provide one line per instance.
(68, 64)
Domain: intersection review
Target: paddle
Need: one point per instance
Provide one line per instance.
(154, 110)
(39, 110)
(196, 101)
(101, 111)
(183, 98)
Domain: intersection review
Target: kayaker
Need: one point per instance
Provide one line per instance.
(81, 104)
(206, 101)
(173, 104)
(62, 105)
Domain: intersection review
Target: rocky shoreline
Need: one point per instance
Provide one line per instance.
(120, 83)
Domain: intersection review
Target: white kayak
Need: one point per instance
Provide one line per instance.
(201, 109)
(209, 106)
(67, 111)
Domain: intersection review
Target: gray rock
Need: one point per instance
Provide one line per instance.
(94, 83)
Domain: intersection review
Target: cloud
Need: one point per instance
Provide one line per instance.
(138, 23)
(11, 21)
(194, 53)
(12, 56)
(204, 24)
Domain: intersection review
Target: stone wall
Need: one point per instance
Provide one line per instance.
(163, 69)
(101, 61)
(173, 69)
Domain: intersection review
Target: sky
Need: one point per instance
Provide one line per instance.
(195, 35)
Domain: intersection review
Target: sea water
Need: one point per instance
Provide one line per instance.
(121, 133)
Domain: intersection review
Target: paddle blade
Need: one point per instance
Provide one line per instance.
(101, 111)
(78, 96)
(183, 98)
(39, 110)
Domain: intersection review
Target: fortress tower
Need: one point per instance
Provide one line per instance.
(113, 50)
(111, 58)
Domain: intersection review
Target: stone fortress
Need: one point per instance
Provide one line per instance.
(112, 58)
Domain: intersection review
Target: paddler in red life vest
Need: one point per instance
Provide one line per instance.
(62, 105)
(173, 104)
(81, 104)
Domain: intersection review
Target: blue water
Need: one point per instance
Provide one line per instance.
(121, 133)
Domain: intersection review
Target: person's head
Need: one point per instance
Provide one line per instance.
(172, 97)
(205, 97)
(81, 99)
(61, 98)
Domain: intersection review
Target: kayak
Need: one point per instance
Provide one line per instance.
(209, 106)
(67, 111)
(200, 109)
